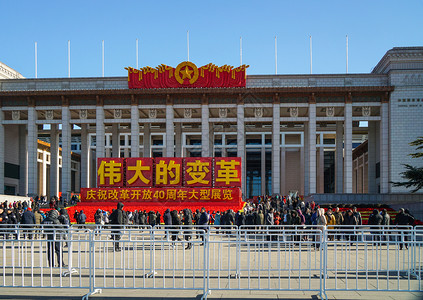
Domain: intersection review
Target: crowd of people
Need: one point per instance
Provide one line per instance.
(268, 211)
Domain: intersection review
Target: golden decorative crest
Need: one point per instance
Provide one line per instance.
(187, 70)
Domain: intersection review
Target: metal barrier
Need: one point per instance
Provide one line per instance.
(207, 258)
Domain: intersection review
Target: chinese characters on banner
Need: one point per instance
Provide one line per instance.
(160, 194)
(190, 172)
(110, 172)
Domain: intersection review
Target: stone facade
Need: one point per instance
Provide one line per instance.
(293, 132)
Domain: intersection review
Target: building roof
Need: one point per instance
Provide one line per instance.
(7, 72)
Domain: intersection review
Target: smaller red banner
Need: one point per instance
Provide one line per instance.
(110, 172)
(198, 171)
(139, 172)
(227, 172)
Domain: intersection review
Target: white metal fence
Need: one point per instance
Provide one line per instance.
(207, 258)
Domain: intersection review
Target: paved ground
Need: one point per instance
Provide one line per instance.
(287, 265)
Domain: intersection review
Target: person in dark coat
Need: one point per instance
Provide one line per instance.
(357, 215)
(167, 218)
(53, 230)
(117, 220)
(188, 231)
(203, 222)
(403, 218)
(151, 218)
(65, 221)
(351, 221)
(375, 220)
(75, 216)
(98, 217)
(28, 219)
(176, 221)
(142, 217)
(241, 219)
(82, 218)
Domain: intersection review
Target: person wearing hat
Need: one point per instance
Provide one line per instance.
(116, 219)
(52, 228)
(28, 219)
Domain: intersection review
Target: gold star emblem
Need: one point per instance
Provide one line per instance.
(186, 70)
(186, 73)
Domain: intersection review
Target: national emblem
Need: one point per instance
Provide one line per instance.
(188, 70)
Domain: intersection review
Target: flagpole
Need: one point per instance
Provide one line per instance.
(188, 44)
(311, 56)
(69, 68)
(240, 50)
(136, 51)
(102, 58)
(347, 53)
(36, 66)
(276, 55)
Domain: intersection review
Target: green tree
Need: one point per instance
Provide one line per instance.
(413, 176)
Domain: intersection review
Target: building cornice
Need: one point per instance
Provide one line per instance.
(398, 54)
(198, 91)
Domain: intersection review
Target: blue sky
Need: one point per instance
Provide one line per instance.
(215, 27)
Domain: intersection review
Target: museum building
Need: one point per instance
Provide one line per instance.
(317, 133)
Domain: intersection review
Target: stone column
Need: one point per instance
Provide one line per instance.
(99, 130)
(348, 169)
(241, 142)
(107, 150)
(306, 160)
(147, 140)
(312, 145)
(23, 160)
(1, 152)
(178, 139)
(54, 160)
(302, 191)
(66, 151)
(170, 131)
(321, 186)
(44, 174)
(77, 177)
(135, 129)
(205, 128)
(211, 140)
(371, 158)
(32, 150)
(276, 146)
(263, 169)
(384, 147)
(85, 157)
(283, 189)
(116, 140)
(339, 158)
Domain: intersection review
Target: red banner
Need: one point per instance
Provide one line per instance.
(227, 172)
(139, 172)
(186, 74)
(198, 171)
(169, 172)
(160, 194)
(110, 172)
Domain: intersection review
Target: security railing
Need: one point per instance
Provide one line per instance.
(206, 258)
